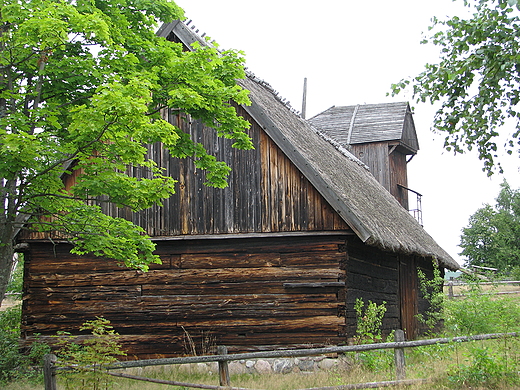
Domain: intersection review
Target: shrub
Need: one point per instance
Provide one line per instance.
(484, 367)
(90, 358)
(13, 364)
(478, 313)
(369, 321)
(432, 291)
(368, 330)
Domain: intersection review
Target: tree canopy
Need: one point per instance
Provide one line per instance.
(476, 81)
(492, 238)
(82, 87)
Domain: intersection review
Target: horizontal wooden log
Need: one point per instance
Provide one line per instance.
(271, 244)
(322, 259)
(45, 295)
(266, 287)
(360, 267)
(313, 285)
(227, 260)
(219, 325)
(181, 302)
(183, 276)
(192, 314)
(372, 283)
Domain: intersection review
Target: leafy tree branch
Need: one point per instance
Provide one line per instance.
(476, 81)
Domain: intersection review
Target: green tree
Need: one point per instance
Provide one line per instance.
(82, 87)
(492, 238)
(476, 81)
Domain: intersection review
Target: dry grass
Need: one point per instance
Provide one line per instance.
(9, 302)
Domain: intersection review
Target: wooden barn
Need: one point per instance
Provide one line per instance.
(277, 259)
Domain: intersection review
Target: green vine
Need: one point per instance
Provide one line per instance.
(431, 290)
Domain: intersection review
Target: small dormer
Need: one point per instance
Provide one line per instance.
(382, 136)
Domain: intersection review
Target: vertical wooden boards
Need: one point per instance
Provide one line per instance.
(231, 291)
(266, 192)
(409, 295)
(399, 176)
(375, 156)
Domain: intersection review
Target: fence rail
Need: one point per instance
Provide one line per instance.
(452, 283)
(51, 368)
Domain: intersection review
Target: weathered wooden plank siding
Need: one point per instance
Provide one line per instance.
(399, 176)
(375, 156)
(229, 289)
(266, 192)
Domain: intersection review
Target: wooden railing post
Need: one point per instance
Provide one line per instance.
(49, 372)
(223, 369)
(400, 364)
(450, 288)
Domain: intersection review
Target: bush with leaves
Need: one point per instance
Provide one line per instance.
(15, 365)
(485, 367)
(431, 290)
(90, 358)
(369, 321)
(478, 312)
(368, 330)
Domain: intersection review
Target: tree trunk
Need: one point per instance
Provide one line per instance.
(6, 257)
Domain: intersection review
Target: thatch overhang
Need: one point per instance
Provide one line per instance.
(371, 211)
(368, 123)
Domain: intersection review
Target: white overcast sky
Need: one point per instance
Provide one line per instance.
(351, 52)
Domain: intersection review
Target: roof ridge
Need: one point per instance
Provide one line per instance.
(344, 151)
(340, 148)
(270, 88)
(193, 29)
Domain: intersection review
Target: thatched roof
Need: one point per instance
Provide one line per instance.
(371, 211)
(350, 125)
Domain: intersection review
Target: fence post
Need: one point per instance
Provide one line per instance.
(450, 288)
(223, 369)
(400, 364)
(49, 371)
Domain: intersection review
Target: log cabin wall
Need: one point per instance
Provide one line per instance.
(380, 277)
(373, 276)
(245, 293)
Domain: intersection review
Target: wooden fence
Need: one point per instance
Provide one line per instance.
(452, 283)
(52, 368)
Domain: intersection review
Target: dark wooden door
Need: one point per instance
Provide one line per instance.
(408, 295)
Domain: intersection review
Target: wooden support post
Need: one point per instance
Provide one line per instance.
(49, 372)
(223, 369)
(400, 364)
(450, 288)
